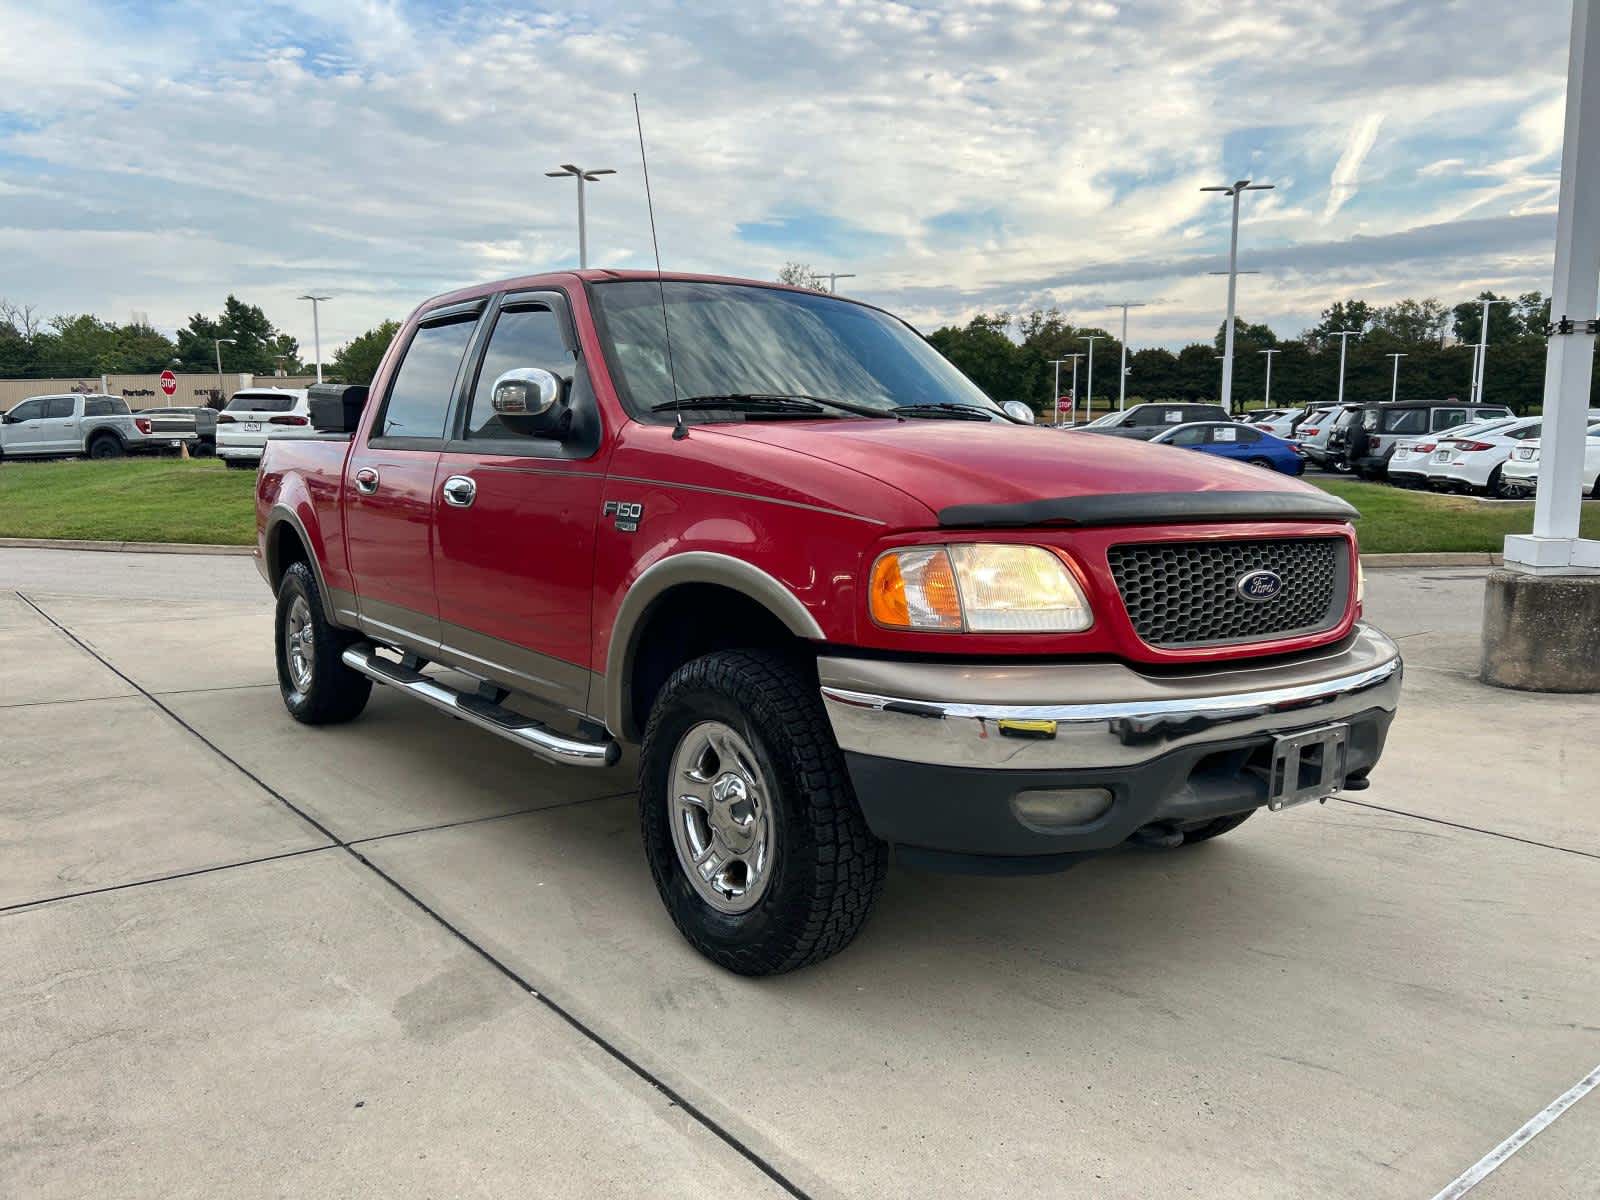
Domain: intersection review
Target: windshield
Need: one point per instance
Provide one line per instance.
(737, 340)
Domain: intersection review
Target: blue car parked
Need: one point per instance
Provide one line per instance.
(1230, 439)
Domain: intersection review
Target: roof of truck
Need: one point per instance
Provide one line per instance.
(549, 278)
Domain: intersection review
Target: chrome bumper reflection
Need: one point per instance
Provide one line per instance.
(1110, 732)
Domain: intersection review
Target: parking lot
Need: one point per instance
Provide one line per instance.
(243, 957)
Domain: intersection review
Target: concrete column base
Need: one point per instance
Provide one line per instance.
(1541, 633)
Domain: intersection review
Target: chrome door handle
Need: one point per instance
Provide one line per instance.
(460, 491)
(366, 481)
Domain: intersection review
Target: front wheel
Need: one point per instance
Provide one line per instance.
(317, 688)
(751, 827)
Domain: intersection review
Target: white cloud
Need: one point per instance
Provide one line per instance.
(942, 150)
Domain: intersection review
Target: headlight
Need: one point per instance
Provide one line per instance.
(977, 588)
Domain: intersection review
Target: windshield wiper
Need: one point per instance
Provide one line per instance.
(775, 403)
(958, 412)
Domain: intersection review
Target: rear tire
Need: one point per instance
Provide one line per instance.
(790, 870)
(317, 688)
(106, 446)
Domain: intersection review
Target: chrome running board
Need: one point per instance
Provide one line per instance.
(475, 710)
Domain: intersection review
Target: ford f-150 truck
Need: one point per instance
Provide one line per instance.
(756, 533)
(91, 425)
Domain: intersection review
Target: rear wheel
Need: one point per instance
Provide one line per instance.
(106, 446)
(1496, 486)
(751, 828)
(317, 688)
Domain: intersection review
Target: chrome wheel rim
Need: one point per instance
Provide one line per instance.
(297, 643)
(721, 816)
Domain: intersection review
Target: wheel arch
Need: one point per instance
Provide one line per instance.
(735, 604)
(287, 542)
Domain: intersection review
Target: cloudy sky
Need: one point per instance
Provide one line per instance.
(956, 155)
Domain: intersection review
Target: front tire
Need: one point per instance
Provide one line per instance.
(317, 688)
(751, 827)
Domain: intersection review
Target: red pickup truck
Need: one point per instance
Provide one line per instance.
(757, 533)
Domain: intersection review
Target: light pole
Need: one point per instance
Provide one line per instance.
(1055, 397)
(1122, 380)
(222, 394)
(1266, 400)
(833, 278)
(1235, 190)
(1344, 336)
(1074, 358)
(1091, 338)
(583, 175)
(1394, 386)
(1480, 358)
(316, 328)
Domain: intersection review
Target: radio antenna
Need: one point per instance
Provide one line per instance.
(682, 431)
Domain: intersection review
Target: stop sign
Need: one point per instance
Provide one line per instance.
(169, 382)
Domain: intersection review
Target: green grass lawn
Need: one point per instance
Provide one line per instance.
(1396, 521)
(128, 500)
(169, 500)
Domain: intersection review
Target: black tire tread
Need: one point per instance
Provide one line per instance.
(844, 865)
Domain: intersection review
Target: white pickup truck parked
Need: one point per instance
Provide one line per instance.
(74, 424)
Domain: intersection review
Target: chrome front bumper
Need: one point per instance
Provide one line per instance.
(1072, 716)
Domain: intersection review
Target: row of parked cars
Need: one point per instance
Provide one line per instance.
(1482, 449)
(89, 425)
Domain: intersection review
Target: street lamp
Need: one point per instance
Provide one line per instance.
(583, 175)
(1235, 190)
(316, 327)
(1091, 338)
(1344, 336)
(1074, 358)
(1394, 387)
(1122, 380)
(833, 278)
(221, 342)
(1480, 356)
(1266, 400)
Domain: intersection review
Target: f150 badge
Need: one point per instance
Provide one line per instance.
(626, 513)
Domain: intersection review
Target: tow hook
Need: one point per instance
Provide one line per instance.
(1159, 835)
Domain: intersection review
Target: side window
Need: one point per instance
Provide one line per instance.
(59, 406)
(1444, 418)
(1248, 436)
(1532, 431)
(98, 406)
(531, 336)
(419, 397)
(1188, 437)
(1406, 420)
(28, 410)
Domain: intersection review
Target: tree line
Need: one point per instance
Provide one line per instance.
(82, 344)
(1009, 356)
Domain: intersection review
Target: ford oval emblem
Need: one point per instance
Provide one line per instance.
(1259, 585)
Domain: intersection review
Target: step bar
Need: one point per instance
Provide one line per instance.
(475, 710)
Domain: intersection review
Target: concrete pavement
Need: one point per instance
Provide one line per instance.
(227, 932)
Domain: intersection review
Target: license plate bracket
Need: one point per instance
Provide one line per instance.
(1310, 765)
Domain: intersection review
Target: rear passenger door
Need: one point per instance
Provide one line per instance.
(59, 427)
(516, 501)
(388, 486)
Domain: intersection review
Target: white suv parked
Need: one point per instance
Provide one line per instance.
(256, 414)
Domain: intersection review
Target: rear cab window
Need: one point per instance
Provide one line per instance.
(105, 406)
(418, 402)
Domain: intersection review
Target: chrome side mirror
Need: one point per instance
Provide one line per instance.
(1018, 411)
(525, 392)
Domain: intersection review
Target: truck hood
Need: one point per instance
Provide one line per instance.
(949, 464)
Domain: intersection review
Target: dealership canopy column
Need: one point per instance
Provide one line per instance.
(1542, 616)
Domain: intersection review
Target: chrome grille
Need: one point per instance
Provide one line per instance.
(1187, 593)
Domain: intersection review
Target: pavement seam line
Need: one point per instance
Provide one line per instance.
(1530, 1129)
(139, 883)
(1510, 837)
(500, 816)
(595, 1037)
